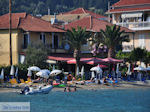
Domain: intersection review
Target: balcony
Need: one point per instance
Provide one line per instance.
(137, 26)
(127, 48)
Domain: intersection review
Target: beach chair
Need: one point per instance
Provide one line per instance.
(22, 81)
(28, 80)
(13, 81)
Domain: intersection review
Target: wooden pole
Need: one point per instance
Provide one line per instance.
(10, 43)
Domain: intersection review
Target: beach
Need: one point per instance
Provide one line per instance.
(121, 85)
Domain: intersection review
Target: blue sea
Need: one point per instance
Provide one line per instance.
(126, 100)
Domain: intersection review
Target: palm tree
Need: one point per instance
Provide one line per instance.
(76, 38)
(113, 36)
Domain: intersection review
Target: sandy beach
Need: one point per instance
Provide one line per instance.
(121, 85)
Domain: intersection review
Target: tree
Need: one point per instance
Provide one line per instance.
(122, 55)
(76, 38)
(138, 54)
(37, 55)
(113, 36)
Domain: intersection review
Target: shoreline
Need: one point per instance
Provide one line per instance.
(87, 87)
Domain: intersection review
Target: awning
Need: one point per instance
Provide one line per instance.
(131, 15)
(59, 58)
(51, 61)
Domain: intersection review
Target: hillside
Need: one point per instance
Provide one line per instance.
(56, 6)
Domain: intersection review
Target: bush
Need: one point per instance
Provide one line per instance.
(37, 55)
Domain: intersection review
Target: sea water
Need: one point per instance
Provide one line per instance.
(126, 100)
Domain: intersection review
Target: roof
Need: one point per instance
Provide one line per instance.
(65, 18)
(84, 11)
(27, 22)
(91, 24)
(129, 10)
(4, 20)
(131, 2)
(34, 24)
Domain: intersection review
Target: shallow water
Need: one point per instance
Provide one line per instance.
(128, 100)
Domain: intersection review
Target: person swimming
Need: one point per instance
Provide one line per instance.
(26, 89)
(68, 89)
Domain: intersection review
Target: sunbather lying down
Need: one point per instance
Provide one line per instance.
(80, 82)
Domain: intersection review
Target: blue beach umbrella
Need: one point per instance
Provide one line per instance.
(2, 74)
(53, 67)
(34, 68)
(16, 73)
(12, 70)
(29, 73)
(82, 71)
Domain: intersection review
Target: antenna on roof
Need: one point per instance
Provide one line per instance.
(49, 11)
(108, 11)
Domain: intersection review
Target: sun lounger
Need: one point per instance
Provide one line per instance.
(28, 80)
(22, 81)
(13, 81)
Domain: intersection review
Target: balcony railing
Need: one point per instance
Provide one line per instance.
(127, 48)
(145, 25)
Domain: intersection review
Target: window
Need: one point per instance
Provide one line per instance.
(42, 37)
(142, 41)
(26, 40)
(56, 41)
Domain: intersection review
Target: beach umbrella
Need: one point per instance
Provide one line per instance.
(90, 61)
(102, 66)
(34, 68)
(93, 61)
(96, 69)
(53, 67)
(55, 72)
(82, 71)
(93, 74)
(140, 68)
(148, 68)
(73, 61)
(46, 70)
(117, 69)
(12, 70)
(43, 73)
(2, 74)
(99, 70)
(29, 73)
(93, 69)
(16, 73)
(129, 70)
(111, 60)
(77, 71)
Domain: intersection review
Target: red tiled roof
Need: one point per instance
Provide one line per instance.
(27, 22)
(4, 20)
(128, 10)
(84, 11)
(91, 24)
(131, 2)
(34, 24)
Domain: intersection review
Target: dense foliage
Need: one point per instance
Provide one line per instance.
(137, 54)
(56, 6)
(37, 55)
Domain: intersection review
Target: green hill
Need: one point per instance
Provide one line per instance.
(56, 6)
